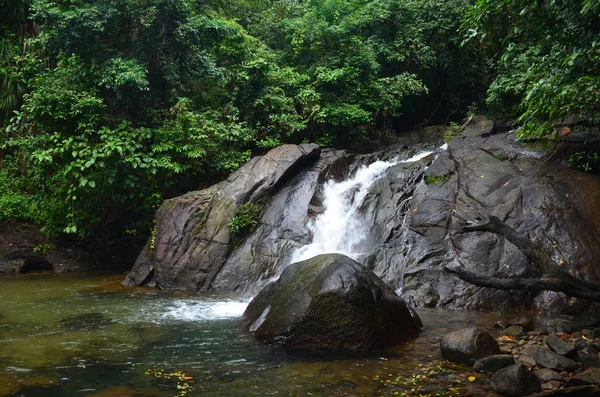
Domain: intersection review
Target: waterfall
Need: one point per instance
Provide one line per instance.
(340, 228)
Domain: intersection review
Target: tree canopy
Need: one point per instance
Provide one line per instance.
(547, 55)
(108, 107)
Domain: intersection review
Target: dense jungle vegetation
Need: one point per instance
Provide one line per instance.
(109, 106)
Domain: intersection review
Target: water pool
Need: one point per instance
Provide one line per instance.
(86, 335)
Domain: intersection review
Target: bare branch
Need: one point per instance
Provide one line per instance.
(553, 277)
(528, 284)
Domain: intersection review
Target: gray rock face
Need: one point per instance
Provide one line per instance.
(280, 230)
(330, 302)
(549, 359)
(192, 238)
(489, 176)
(515, 380)
(468, 345)
(413, 216)
(493, 363)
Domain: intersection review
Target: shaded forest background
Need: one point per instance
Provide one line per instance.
(108, 107)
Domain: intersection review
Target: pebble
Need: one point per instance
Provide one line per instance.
(548, 386)
(528, 360)
(555, 383)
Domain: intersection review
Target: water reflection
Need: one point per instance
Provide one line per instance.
(88, 336)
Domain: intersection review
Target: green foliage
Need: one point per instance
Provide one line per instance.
(356, 62)
(109, 105)
(548, 68)
(245, 219)
(15, 201)
(586, 161)
(434, 179)
(451, 132)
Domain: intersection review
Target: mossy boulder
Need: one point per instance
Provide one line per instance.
(330, 302)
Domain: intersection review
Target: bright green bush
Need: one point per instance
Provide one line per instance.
(245, 219)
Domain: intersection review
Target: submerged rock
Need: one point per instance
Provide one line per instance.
(516, 380)
(493, 363)
(330, 302)
(468, 345)
(85, 321)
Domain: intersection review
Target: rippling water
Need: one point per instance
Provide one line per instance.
(86, 335)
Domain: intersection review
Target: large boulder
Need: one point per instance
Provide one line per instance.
(192, 238)
(330, 302)
(556, 207)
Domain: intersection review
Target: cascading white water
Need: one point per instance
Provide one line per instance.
(340, 228)
(204, 310)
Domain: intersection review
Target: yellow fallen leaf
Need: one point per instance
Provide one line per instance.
(471, 378)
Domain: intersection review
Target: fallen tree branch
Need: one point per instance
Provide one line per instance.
(573, 289)
(521, 241)
(553, 278)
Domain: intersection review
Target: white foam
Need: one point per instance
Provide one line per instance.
(340, 228)
(194, 310)
(419, 156)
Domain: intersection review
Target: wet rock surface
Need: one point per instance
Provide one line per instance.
(413, 216)
(482, 177)
(24, 249)
(516, 380)
(192, 238)
(330, 302)
(560, 346)
(281, 229)
(564, 374)
(493, 363)
(549, 359)
(468, 345)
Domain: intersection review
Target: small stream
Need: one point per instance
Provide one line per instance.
(86, 335)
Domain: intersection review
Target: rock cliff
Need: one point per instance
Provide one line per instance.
(413, 216)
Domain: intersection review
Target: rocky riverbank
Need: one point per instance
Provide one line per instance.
(558, 359)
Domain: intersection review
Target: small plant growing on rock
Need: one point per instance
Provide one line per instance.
(245, 219)
(452, 131)
(433, 179)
